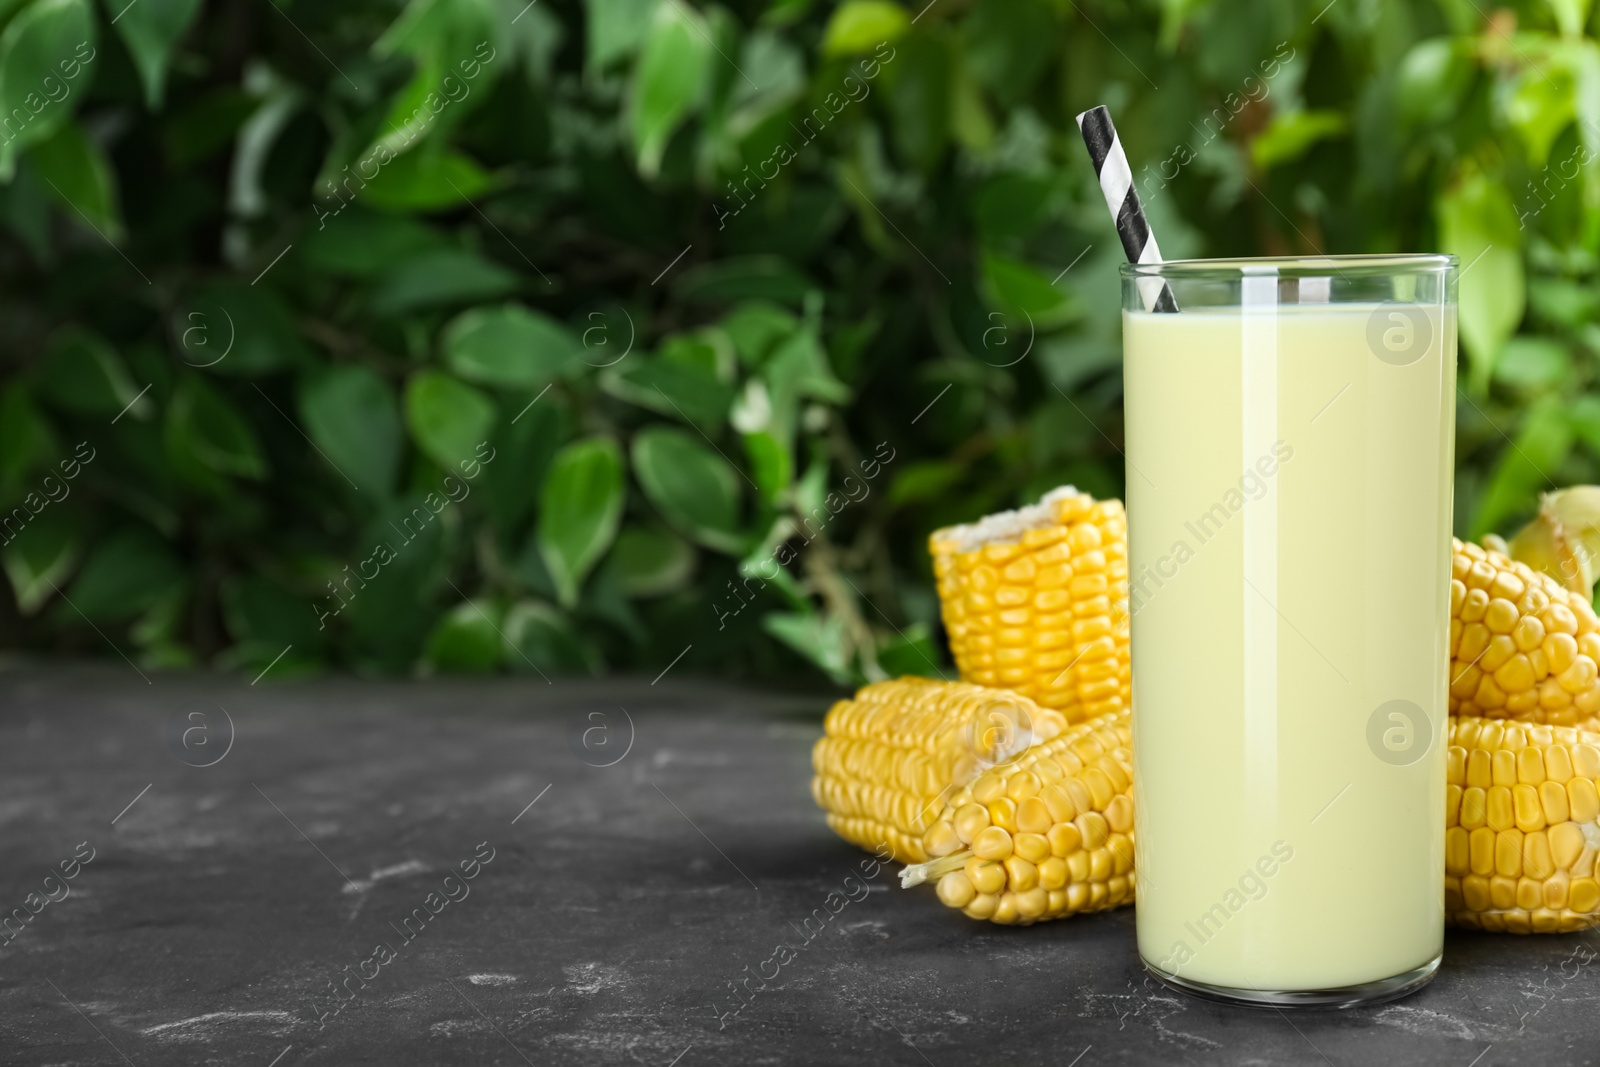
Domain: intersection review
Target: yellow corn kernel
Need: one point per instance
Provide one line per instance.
(1455, 852)
(1064, 839)
(1003, 813)
(1522, 645)
(1521, 857)
(1020, 874)
(969, 820)
(1036, 600)
(1082, 861)
(1033, 817)
(1034, 848)
(956, 890)
(891, 758)
(983, 906)
(992, 843)
(1530, 815)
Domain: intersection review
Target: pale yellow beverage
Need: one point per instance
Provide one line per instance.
(1289, 505)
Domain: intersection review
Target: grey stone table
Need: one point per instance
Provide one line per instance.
(615, 914)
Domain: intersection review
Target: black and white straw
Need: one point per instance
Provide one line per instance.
(1116, 182)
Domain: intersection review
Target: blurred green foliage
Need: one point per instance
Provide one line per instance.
(476, 335)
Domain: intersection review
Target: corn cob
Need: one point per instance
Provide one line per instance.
(1044, 837)
(1521, 829)
(891, 757)
(1521, 645)
(1036, 600)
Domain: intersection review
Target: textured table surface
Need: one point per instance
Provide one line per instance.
(223, 903)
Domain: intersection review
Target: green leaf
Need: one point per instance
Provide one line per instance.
(676, 389)
(385, 586)
(448, 419)
(204, 126)
(811, 491)
(770, 464)
(84, 375)
(918, 91)
(762, 563)
(858, 26)
(744, 278)
(756, 327)
(1011, 207)
(207, 436)
(80, 177)
(1009, 44)
(1539, 105)
(525, 441)
(466, 640)
(1563, 302)
(615, 28)
(156, 631)
(652, 562)
(236, 329)
(411, 120)
(1584, 415)
(820, 640)
(1570, 15)
(532, 34)
(1290, 134)
(429, 27)
(444, 277)
(924, 481)
(606, 601)
(910, 652)
(40, 555)
(127, 573)
(48, 39)
(539, 639)
(1533, 364)
(262, 612)
(510, 346)
(693, 487)
(1525, 468)
(1431, 80)
(429, 179)
(670, 81)
(25, 211)
(579, 510)
(25, 438)
(528, 567)
(150, 29)
(362, 243)
(351, 415)
(970, 121)
(1019, 291)
(797, 370)
(1479, 224)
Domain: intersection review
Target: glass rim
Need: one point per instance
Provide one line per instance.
(1298, 266)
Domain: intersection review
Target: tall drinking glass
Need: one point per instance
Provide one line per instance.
(1289, 444)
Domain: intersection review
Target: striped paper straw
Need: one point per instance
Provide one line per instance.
(1116, 182)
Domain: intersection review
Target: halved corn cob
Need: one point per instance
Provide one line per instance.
(1521, 645)
(1036, 600)
(1046, 836)
(1521, 829)
(890, 758)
